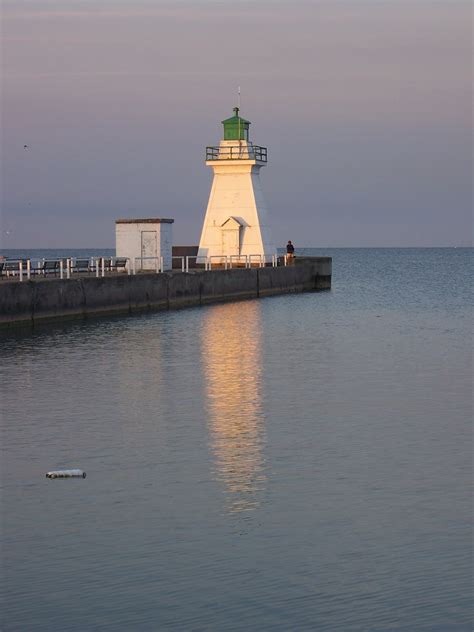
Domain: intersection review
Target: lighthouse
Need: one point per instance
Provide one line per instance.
(236, 221)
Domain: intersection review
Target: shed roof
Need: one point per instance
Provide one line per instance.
(146, 220)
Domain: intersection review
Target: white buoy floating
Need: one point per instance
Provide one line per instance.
(66, 474)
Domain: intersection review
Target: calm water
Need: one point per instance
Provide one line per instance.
(291, 463)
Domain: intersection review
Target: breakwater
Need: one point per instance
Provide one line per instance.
(40, 299)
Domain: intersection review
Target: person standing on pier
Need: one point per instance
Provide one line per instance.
(290, 252)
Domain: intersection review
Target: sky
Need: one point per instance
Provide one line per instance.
(364, 105)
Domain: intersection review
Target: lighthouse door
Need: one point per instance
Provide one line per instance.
(230, 242)
(149, 249)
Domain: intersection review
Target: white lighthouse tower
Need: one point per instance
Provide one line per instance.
(236, 222)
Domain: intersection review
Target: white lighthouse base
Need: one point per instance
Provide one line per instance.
(236, 223)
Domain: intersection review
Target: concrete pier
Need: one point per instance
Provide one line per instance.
(42, 299)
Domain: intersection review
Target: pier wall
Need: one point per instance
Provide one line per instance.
(51, 298)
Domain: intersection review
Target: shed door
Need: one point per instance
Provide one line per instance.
(149, 247)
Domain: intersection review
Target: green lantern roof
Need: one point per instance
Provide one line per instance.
(236, 127)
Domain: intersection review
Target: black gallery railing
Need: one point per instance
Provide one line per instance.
(246, 152)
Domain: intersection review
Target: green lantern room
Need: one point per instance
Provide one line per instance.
(236, 127)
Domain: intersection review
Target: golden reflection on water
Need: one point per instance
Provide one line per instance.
(232, 366)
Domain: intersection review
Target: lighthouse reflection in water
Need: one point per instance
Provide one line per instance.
(232, 369)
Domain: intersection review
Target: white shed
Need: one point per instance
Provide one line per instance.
(144, 241)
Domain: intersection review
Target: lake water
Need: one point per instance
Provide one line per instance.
(299, 462)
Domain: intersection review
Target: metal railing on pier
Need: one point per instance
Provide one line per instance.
(71, 267)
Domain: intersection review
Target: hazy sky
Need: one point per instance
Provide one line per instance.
(365, 107)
